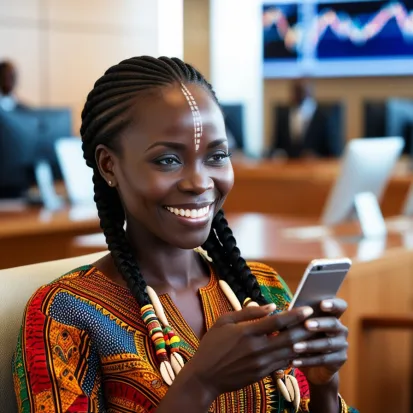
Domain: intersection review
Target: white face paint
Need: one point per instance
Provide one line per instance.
(196, 116)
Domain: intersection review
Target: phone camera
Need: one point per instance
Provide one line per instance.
(319, 267)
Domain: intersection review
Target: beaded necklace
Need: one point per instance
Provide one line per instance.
(165, 340)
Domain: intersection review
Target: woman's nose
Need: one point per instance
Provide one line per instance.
(196, 181)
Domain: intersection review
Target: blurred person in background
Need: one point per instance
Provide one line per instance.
(8, 81)
(303, 129)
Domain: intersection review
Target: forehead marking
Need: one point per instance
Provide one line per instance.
(196, 115)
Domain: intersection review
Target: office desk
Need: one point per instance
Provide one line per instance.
(380, 282)
(30, 235)
(300, 188)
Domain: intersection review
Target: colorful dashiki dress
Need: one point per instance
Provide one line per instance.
(84, 348)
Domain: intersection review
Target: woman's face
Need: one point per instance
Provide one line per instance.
(173, 172)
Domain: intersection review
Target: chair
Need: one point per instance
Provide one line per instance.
(16, 287)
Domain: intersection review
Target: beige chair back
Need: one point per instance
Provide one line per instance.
(16, 287)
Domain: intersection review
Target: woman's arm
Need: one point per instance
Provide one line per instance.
(324, 398)
(49, 364)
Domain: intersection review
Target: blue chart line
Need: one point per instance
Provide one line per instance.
(386, 31)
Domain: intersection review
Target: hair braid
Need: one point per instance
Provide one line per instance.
(231, 255)
(112, 218)
(214, 249)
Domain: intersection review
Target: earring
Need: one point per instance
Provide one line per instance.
(110, 183)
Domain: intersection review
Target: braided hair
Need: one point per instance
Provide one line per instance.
(105, 114)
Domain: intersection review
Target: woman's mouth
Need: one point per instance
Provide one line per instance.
(189, 213)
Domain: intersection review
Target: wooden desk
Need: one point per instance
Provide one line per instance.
(380, 282)
(300, 188)
(34, 235)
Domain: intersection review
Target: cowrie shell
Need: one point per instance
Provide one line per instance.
(177, 362)
(167, 373)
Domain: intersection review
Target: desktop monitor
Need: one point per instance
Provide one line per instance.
(408, 203)
(27, 138)
(234, 122)
(366, 167)
(54, 123)
(77, 176)
(18, 144)
(399, 115)
(374, 119)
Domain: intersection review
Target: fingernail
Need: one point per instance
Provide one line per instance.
(299, 347)
(270, 307)
(307, 311)
(327, 305)
(312, 325)
(297, 363)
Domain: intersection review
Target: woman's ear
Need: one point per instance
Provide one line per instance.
(105, 160)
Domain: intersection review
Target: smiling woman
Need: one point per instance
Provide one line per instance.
(152, 324)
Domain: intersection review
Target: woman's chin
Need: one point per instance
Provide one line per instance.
(190, 241)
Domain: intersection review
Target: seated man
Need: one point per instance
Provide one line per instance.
(305, 129)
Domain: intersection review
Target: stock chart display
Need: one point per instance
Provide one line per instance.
(338, 38)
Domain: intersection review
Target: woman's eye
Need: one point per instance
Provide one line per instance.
(170, 160)
(219, 157)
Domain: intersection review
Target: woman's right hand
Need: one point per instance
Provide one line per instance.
(240, 349)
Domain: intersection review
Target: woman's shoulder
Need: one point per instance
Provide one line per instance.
(273, 287)
(46, 292)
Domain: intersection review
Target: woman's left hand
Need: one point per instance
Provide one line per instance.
(320, 359)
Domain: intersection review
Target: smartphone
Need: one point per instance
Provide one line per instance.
(322, 280)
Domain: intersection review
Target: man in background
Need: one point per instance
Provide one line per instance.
(305, 129)
(8, 80)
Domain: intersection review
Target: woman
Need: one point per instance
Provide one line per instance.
(99, 339)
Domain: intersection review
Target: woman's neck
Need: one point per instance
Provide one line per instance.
(162, 265)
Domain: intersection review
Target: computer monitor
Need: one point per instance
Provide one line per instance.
(375, 119)
(27, 137)
(234, 122)
(366, 167)
(77, 176)
(54, 123)
(399, 115)
(18, 144)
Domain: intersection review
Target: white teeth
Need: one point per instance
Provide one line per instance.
(189, 213)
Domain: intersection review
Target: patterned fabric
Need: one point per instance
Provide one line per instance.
(84, 348)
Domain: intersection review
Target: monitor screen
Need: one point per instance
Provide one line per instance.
(18, 142)
(27, 137)
(54, 123)
(337, 38)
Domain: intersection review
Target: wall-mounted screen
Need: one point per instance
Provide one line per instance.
(337, 38)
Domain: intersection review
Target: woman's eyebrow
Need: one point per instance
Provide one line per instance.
(173, 145)
(179, 145)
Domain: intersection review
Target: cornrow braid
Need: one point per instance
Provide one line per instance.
(112, 218)
(214, 249)
(232, 257)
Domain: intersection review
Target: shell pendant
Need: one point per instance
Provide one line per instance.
(288, 387)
